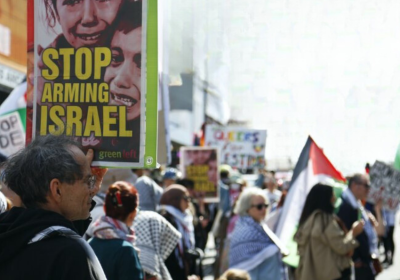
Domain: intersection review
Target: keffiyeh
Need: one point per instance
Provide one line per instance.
(248, 240)
(184, 220)
(156, 239)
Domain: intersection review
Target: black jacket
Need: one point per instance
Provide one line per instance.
(349, 215)
(56, 257)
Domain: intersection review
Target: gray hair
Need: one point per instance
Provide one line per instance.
(29, 172)
(243, 204)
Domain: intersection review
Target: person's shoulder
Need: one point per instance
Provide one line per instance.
(144, 180)
(126, 250)
(68, 245)
(165, 214)
(345, 205)
(63, 249)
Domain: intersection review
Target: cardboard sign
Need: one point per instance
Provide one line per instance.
(239, 147)
(12, 134)
(201, 166)
(385, 185)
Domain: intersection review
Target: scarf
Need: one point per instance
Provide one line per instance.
(247, 240)
(184, 222)
(156, 240)
(108, 228)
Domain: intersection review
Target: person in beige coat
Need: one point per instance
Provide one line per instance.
(324, 245)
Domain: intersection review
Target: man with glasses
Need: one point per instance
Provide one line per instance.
(350, 211)
(41, 240)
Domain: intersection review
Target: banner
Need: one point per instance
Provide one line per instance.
(201, 166)
(96, 77)
(385, 185)
(239, 147)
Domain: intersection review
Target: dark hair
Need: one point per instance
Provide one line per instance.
(173, 196)
(121, 200)
(356, 178)
(319, 198)
(130, 17)
(224, 174)
(29, 172)
(212, 157)
(3, 158)
(51, 12)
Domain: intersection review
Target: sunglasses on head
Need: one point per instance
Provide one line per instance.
(260, 206)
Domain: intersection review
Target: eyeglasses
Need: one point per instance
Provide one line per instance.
(260, 206)
(90, 181)
(187, 198)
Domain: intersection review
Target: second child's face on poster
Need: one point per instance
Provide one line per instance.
(124, 73)
(87, 22)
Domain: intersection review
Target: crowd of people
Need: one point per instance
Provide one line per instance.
(64, 219)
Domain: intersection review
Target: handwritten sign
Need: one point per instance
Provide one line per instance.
(385, 185)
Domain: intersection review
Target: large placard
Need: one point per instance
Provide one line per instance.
(200, 164)
(242, 148)
(96, 77)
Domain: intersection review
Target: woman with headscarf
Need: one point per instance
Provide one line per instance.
(113, 238)
(324, 248)
(250, 247)
(175, 208)
(156, 240)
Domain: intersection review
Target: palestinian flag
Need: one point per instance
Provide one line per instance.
(312, 167)
(13, 121)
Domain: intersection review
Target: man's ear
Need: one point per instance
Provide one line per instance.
(55, 189)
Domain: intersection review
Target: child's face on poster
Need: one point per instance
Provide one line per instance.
(124, 73)
(87, 22)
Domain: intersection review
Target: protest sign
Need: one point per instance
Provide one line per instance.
(96, 77)
(385, 185)
(239, 147)
(201, 165)
(12, 121)
(12, 134)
